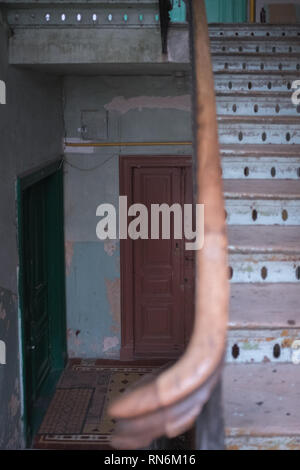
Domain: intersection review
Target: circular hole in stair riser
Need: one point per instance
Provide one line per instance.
(241, 136)
(269, 85)
(264, 272)
(290, 49)
(230, 272)
(236, 34)
(240, 49)
(273, 49)
(283, 34)
(246, 171)
(288, 136)
(223, 48)
(221, 33)
(298, 67)
(276, 351)
(257, 49)
(298, 273)
(264, 136)
(244, 66)
(262, 66)
(284, 215)
(226, 66)
(268, 34)
(255, 108)
(254, 215)
(235, 351)
(249, 85)
(234, 108)
(273, 172)
(289, 85)
(277, 108)
(280, 66)
(252, 33)
(230, 85)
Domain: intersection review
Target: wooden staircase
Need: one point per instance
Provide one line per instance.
(259, 128)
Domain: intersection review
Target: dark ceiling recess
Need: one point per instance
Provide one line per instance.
(165, 7)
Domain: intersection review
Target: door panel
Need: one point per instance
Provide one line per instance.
(159, 319)
(157, 276)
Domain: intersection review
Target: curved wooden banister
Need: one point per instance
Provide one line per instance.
(170, 402)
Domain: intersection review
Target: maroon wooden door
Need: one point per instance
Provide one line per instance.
(158, 312)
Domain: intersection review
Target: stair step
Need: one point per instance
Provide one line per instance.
(256, 62)
(264, 306)
(254, 203)
(251, 213)
(266, 130)
(251, 83)
(261, 45)
(261, 404)
(261, 189)
(258, 150)
(272, 168)
(256, 105)
(264, 267)
(264, 239)
(262, 254)
(263, 345)
(253, 30)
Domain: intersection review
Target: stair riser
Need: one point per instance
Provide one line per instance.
(255, 47)
(263, 212)
(256, 63)
(232, 133)
(254, 30)
(257, 106)
(255, 346)
(264, 268)
(261, 168)
(250, 84)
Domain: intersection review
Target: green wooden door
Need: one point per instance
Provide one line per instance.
(36, 288)
(41, 289)
(218, 11)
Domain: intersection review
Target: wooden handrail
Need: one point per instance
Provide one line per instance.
(170, 402)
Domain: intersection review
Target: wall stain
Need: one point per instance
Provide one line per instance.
(110, 247)
(123, 105)
(69, 252)
(113, 296)
(110, 342)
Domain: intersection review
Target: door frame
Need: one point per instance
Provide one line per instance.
(126, 165)
(56, 280)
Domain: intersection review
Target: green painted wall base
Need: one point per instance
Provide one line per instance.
(227, 11)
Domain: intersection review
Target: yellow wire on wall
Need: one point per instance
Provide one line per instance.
(252, 11)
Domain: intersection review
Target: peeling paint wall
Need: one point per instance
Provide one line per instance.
(30, 134)
(122, 108)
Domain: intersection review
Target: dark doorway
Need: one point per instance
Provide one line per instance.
(157, 276)
(42, 288)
